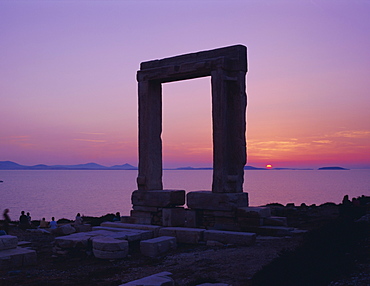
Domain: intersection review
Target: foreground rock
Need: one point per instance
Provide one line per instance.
(13, 256)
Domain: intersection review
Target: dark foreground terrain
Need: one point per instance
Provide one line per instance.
(335, 251)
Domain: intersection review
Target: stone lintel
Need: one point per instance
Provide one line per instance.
(158, 198)
(186, 70)
(208, 200)
(236, 52)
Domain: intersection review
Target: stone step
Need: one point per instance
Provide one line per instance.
(153, 228)
(230, 237)
(159, 279)
(131, 234)
(157, 246)
(81, 239)
(183, 234)
(109, 244)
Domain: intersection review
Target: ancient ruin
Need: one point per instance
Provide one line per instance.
(227, 68)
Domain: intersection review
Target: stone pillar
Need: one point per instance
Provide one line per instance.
(228, 116)
(150, 130)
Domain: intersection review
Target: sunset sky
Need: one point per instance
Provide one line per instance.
(68, 84)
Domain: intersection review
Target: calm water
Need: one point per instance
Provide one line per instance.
(95, 193)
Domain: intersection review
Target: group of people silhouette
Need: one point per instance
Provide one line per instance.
(25, 222)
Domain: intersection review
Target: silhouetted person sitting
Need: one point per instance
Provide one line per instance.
(346, 201)
(117, 217)
(53, 224)
(30, 221)
(43, 223)
(78, 220)
(23, 221)
(6, 221)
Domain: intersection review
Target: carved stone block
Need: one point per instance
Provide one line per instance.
(216, 201)
(157, 246)
(158, 198)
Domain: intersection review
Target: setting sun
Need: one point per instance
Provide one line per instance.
(268, 166)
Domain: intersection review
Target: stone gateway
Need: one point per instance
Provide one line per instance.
(227, 68)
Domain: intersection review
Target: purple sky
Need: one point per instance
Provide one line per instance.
(68, 85)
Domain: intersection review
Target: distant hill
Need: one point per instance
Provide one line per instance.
(332, 168)
(8, 165)
(253, 168)
(123, 167)
(297, 169)
(191, 168)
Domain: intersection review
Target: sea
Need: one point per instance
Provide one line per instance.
(64, 193)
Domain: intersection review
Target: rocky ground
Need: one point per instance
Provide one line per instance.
(296, 260)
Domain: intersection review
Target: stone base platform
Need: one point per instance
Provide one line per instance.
(158, 198)
(207, 200)
(157, 207)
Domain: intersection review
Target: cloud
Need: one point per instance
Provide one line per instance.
(278, 145)
(19, 140)
(322, 141)
(351, 134)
